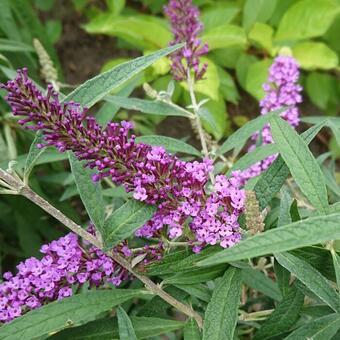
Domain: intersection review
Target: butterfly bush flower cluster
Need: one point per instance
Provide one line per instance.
(178, 188)
(65, 266)
(281, 90)
(186, 26)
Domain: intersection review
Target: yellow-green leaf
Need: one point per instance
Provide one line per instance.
(225, 36)
(307, 19)
(315, 55)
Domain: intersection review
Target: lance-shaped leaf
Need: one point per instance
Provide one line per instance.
(221, 314)
(107, 329)
(72, 311)
(170, 144)
(301, 163)
(260, 282)
(272, 180)
(309, 276)
(299, 234)
(284, 316)
(33, 154)
(98, 87)
(159, 108)
(196, 275)
(90, 192)
(336, 264)
(323, 328)
(14, 46)
(247, 130)
(126, 331)
(191, 331)
(250, 158)
(126, 220)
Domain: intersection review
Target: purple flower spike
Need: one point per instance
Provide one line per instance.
(149, 172)
(66, 265)
(281, 90)
(185, 25)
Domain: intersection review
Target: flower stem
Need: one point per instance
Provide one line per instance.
(200, 130)
(17, 186)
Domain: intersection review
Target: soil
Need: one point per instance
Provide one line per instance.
(81, 55)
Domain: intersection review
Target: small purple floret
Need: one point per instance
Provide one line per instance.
(186, 26)
(282, 89)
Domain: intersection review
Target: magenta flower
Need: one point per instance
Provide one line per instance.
(178, 188)
(66, 265)
(281, 90)
(185, 25)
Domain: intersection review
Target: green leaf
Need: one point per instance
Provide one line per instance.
(170, 144)
(336, 131)
(247, 130)
(285, 204)
(49, 156)
(7, 22)
(299, 234)
(282, 278)
(3, 152)
(33, 154)
(115, 6)
(94, 89)
(211, 83)
(262, 35)
(260, 282)
(225, 36)
(199, 291)
(257, 11)
(58, 315)
(126, 331)
(336, 264)
(164, 266)
(107, 329)
(322, 119)
(228, 87)
(7, 45)
(53, 30)
(323, 91)
(309, 276)
(218, 14)
(221, 313)
(284, 316)
(196, 275)
(145, 32)
(256, 76)
(191, 261)
(323, 328)
(250, 158)
(90, 192)
(159, 108)
(315, 55)
(108, 110)
(307, 19)
(244, 61)
(301, 163)
(125, 220)
(191, 331)
(272, 180)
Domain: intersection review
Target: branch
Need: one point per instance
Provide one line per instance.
(18, 187)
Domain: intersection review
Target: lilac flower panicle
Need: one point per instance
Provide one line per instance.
(65, 265)
(149, 172)
(281, 90)
(185, 25)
